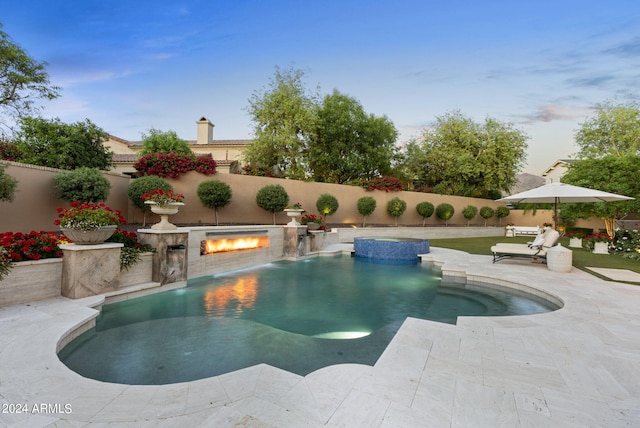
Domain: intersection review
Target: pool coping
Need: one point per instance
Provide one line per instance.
(577, 366)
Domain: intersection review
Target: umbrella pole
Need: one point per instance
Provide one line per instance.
(555, 214)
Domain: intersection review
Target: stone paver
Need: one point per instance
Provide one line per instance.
(578, 366)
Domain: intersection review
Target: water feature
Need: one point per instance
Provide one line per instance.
(298, 316)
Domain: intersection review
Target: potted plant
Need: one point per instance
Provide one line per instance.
(575, 238)
(509, 228)
(164, 203)
(312, 221)
(547, 226)
(598, 243)
(294, 211)
(87, 223)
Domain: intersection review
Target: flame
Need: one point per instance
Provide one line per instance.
(224, 245)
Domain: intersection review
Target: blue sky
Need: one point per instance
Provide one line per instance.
(130, 66)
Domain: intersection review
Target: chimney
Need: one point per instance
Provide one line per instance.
(205, 131)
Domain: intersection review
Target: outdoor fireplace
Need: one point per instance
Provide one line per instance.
(224, 242)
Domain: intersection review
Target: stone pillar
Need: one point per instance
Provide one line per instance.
(317, 240)
(294, 245)
(170, 260)
(89, 270)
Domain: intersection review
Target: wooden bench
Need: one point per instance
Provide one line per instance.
(525, 230)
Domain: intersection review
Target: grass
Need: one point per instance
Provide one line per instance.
(581, 257)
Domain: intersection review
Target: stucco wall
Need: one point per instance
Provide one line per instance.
(34, 207)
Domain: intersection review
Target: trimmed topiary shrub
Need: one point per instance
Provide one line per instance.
(425, 210)
(142, 185)
(486, 213)
(82, 184)
(445, 212)
(272, 198)
(214, 194)
(327, 204)
(501, 212)
(396, 207)
(469, 212)
(366, 207)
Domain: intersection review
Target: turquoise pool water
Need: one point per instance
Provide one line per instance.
(298, 316)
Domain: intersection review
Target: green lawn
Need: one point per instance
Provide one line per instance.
(581, 257)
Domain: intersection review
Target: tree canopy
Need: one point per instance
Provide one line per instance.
(612, 173)
(55, 144)
(22, 80)
(348, 143)
(283, 117)
(164, 142)
(614, 130)
(460, 157)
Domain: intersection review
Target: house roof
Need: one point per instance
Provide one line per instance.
(190, 142)
(556, 164)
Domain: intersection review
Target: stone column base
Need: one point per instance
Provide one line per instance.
(89, 270)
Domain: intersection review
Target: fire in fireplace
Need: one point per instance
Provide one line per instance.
(224, 245)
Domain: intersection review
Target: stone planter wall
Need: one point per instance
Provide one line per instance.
(139, 273)
(31, 281)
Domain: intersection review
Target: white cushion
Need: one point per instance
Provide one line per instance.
(538, 241)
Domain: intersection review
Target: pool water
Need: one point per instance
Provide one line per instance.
(298, 316)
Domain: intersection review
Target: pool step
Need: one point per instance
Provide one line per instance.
(130, 292)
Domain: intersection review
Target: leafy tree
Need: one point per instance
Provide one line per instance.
(469, 212)
(396, 207)
(8, 186)
(214, 194)
(164, 142)
(284, 117)
(425, 210)
(460, 157)
(327, 204)
(612, 173)
(82, 184)
(444, 212)
(142, 185)
(501, 212)
(486, 213)
(614, 130)
(55, 144)
(348, 143)
(272, 198)
(22, 79)
(366, 207)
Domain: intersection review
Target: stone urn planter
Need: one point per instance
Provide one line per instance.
(294, 214)
(509, 231)
(89, 237)
(313, 226)
(164, 211)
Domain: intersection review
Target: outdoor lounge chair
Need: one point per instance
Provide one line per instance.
(534, 250)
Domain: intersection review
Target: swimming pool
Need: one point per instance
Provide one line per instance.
(298, 316)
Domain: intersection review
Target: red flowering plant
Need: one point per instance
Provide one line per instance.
(34, 245)
(88, 216)
(386, 183)
(162, 197)
(590, 241)
(173, 165)
(310, 218)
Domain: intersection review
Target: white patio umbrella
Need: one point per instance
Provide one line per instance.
(557, 193)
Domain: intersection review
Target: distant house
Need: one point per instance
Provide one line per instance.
(224, 152)
(554, 173)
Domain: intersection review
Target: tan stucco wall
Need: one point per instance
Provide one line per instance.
(243, 208)
(34, 206)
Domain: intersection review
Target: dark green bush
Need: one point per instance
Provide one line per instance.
(8, 186)
(445, 212)
(486, 213)
(214, 194)
(366, 207)
(82, 184)
(272, 198)
(469, 212)
(327, 204)
(396, 207)
(425, 210)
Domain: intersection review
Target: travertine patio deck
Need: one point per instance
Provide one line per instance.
(576, 367)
